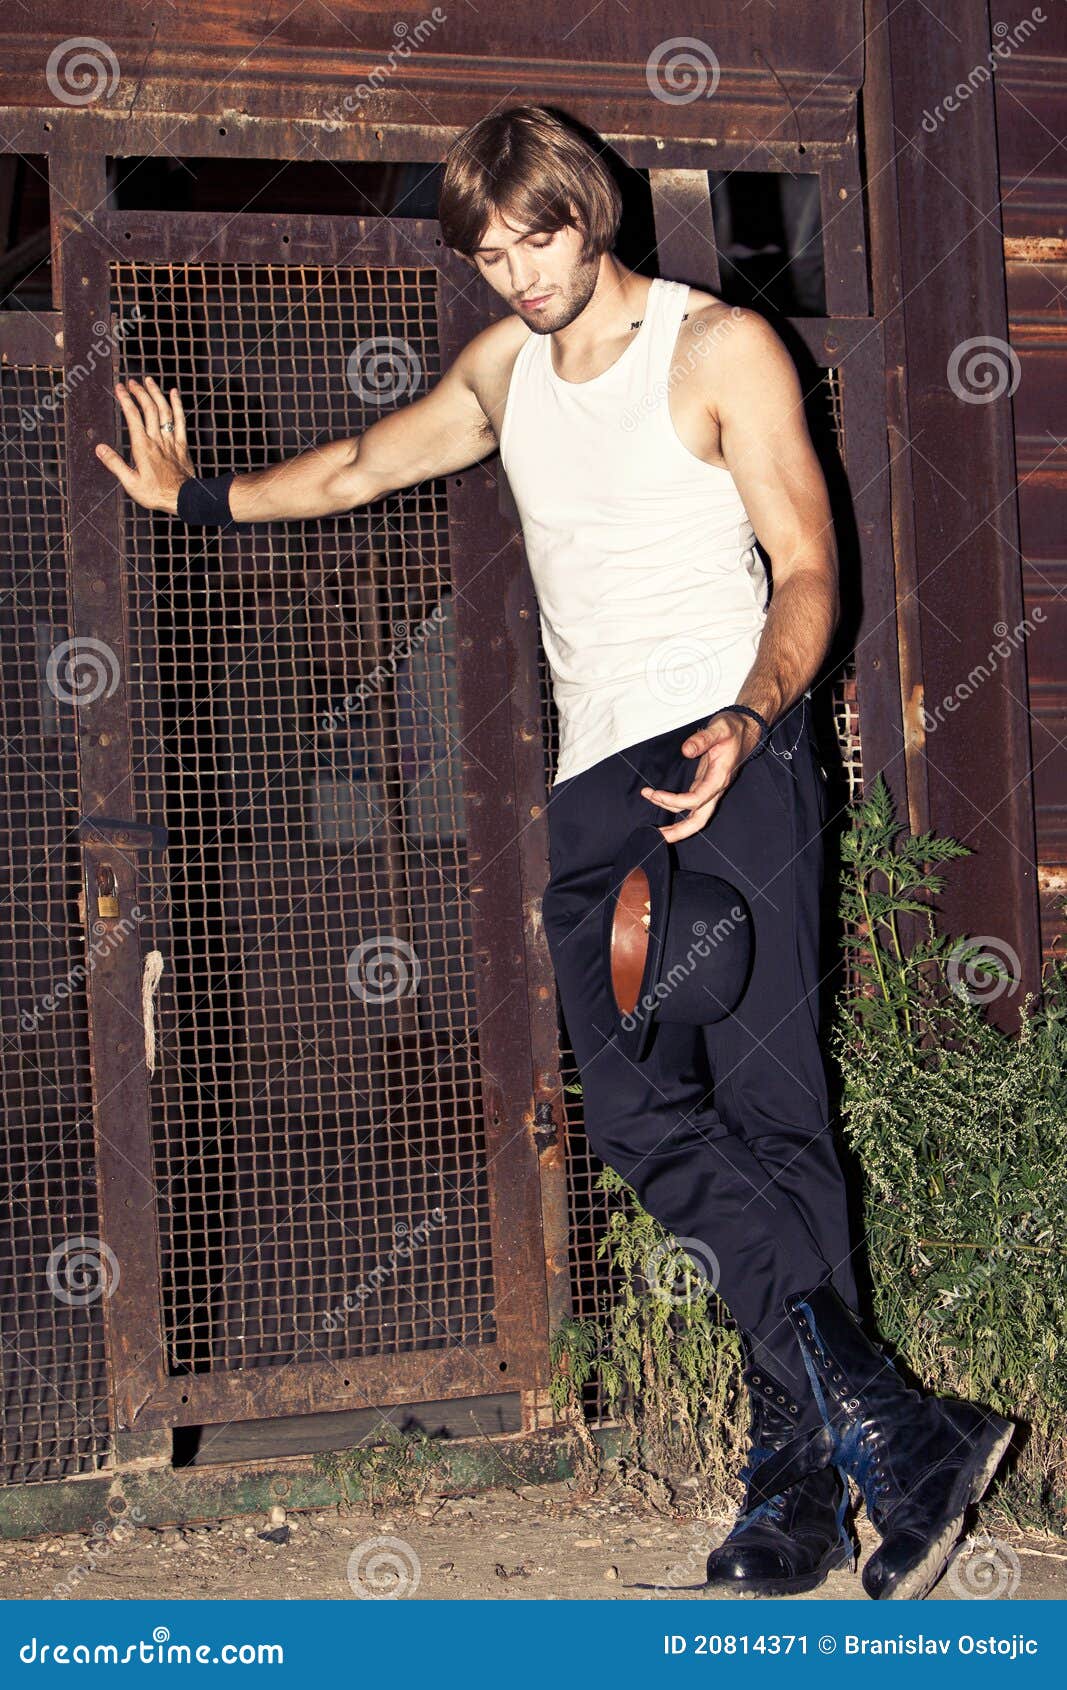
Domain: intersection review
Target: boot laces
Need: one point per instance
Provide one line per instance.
(870, 1473)
(774, 1507)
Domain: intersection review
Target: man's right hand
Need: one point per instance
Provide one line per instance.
(160, 460)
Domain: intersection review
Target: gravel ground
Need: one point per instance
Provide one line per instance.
(538, 1542)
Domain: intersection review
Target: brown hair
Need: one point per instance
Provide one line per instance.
(530, 165)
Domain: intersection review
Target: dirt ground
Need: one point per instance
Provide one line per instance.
(536, 1542)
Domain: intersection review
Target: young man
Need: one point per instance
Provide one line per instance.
(649, 433)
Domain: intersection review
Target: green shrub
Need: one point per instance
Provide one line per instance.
(960, 1129)
(391, 1467)
(668, 1363)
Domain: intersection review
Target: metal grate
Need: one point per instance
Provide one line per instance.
(53, 1272)
(317, 1111)
(846, 722)
(593, 1285)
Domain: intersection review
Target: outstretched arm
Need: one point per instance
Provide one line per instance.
(445, 430)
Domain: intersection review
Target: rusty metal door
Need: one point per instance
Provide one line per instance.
(311, 1038)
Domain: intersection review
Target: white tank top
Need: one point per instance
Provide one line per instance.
(651, 594)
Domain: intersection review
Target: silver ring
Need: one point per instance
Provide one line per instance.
(166, 428)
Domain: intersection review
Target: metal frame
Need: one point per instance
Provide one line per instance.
(145, 1395)
(958, 581)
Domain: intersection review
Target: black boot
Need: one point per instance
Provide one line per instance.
(919, 1461)
(793, 1539)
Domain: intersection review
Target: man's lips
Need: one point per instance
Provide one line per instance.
(538, 299)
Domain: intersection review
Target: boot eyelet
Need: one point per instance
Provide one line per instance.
(756, 1379)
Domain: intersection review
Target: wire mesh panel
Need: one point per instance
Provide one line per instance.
(317, 1109)
(54, 1271)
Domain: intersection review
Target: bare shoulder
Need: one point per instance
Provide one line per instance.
(731, 344)
(485, 363)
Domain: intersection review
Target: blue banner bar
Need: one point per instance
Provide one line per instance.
(507, 1645)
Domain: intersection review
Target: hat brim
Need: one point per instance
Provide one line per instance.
(645, 853)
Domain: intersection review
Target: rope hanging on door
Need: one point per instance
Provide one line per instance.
(153, 968)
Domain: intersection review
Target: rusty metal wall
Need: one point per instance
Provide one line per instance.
(199, 74)
(1031, 105)
(937, 268)
(54, 1419)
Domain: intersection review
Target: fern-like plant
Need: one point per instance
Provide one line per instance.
(960, 1129)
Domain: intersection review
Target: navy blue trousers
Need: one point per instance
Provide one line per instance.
(746, 1165)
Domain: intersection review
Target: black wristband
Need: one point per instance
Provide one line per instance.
(205, 501)
(747, 710)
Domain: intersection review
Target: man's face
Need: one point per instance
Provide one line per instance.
(541, 276)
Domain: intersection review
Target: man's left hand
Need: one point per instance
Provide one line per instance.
(722, 746)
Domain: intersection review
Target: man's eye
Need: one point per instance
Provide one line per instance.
(546, 240)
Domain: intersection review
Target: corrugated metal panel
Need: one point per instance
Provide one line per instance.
(349, 63)
(1031, 89)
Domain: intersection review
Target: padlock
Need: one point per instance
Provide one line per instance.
(107, 892)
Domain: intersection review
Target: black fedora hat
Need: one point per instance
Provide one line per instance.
(677, 943)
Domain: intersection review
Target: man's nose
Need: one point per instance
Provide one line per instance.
(523, 281)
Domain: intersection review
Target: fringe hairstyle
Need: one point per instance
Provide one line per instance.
(531, 166)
